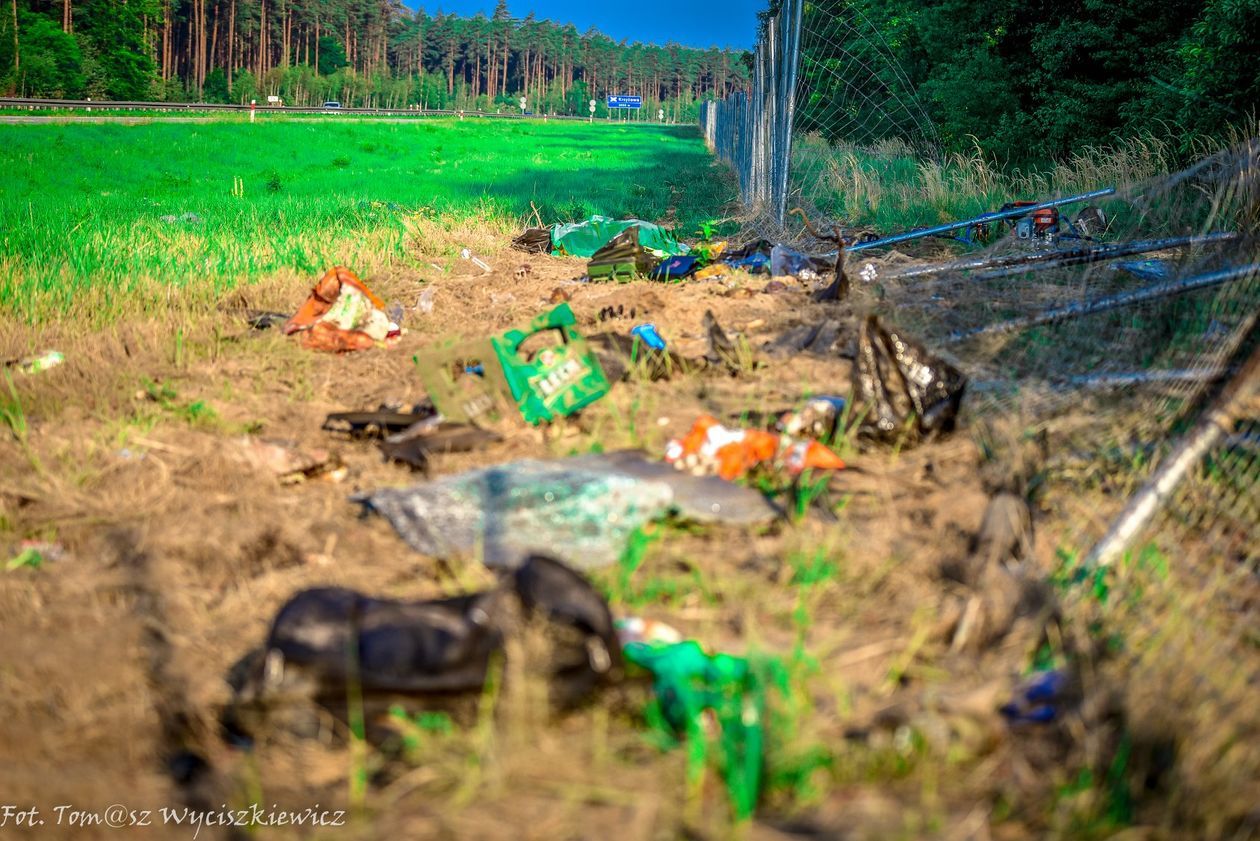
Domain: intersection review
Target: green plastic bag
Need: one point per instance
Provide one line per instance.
(583, 239)
(687, 682)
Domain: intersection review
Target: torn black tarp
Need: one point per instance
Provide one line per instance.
(826, 337)
(328, 641)
(384, 421)
(416, 443)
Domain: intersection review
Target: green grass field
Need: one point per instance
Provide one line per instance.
(119, 207)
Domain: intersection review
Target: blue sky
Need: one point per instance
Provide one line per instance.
(695, 23)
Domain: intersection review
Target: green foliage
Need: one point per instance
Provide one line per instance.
(244, 87)
(216, 87)
(117, 31)
(1217, 60)
(52, 63)
(360, 52)
(332, 55)
(1034, 82)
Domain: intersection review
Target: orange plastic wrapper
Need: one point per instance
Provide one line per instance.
(341, 314)
(709, 447)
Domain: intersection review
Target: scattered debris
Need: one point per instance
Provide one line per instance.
(1091, 222)
(623, 257)
(822, 338)
(1156, 270)
(636, 629)
(584, 509)
(36, 364)
(647, 333)
(1038, 699)
(265, 319)
(466, 254)
(710, 448)
(541, 384)
(905, 391)
(620, 354)
(754, 257)
(819, 418)
(33, 553)
(675, 268)
(440, 649)
(523, 271)
(714, 271)
(979, 226)
(288, 463)
(688, 684)
(385, 421)
(414, 445)
(993, 267)
(534, 241)
(584, 239)
(342, 315)
(789, 261)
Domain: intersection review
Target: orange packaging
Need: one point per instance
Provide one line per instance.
(341, 314)
(709, 447)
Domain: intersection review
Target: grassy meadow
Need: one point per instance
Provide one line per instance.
(124, 208)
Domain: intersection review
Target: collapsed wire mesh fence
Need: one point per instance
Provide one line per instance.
(1114, 362)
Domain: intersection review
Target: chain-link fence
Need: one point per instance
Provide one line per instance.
(823, 80)
(1115, 361)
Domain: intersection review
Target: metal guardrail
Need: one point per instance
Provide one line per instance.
(106, 105)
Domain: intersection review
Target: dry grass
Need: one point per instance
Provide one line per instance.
(892, 188)
(178, 555)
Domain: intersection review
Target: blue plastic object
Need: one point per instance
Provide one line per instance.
(755, 263)
(1038, 699)
(648, 335)
(675, 268)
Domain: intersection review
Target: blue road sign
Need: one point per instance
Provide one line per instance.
(625, 101)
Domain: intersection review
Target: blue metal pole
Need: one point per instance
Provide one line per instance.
(994, 216)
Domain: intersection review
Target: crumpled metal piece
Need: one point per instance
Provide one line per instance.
(582, 509)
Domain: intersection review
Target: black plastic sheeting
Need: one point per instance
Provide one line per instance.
(326, 642)
(897, 380)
